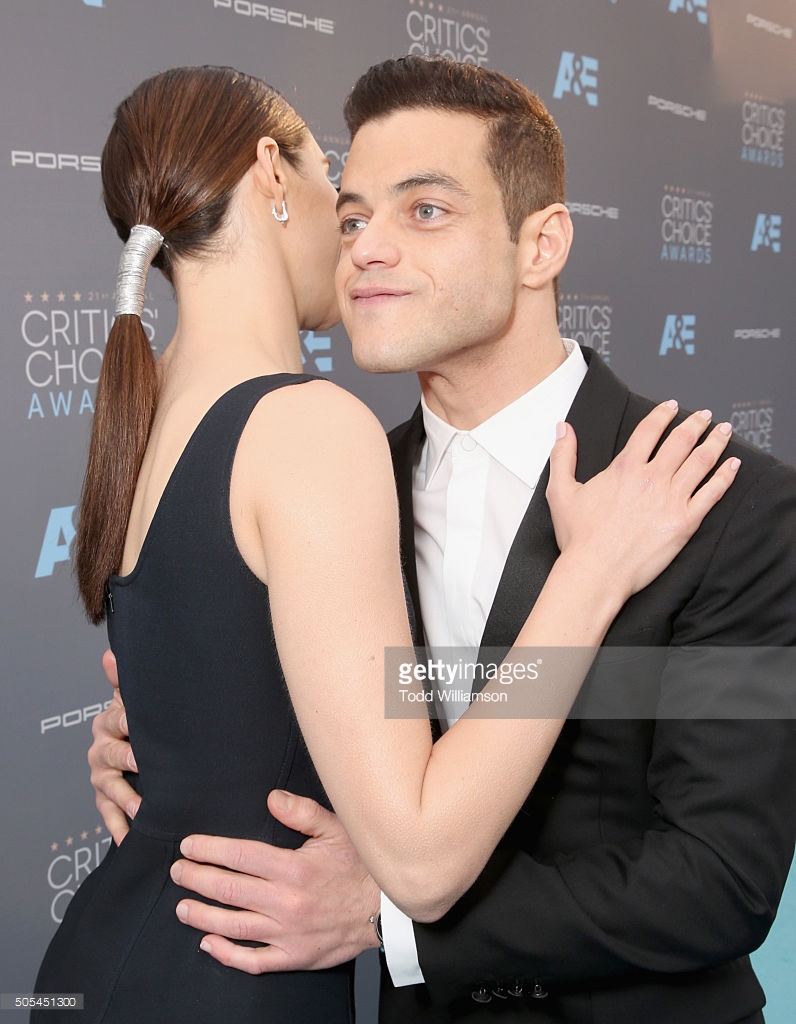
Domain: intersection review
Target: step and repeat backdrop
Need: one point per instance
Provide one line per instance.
(680, 125)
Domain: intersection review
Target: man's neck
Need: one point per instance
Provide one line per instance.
(466, 392)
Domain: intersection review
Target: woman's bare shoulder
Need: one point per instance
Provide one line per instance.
(316, 431)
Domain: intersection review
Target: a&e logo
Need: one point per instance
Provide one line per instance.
(578, 75)
(678, 333)
(698, 7)
(768, 232)
(58, 535)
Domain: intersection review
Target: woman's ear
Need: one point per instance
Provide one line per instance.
(269, 170)
(544, 242)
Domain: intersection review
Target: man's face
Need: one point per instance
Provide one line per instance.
(428, 276)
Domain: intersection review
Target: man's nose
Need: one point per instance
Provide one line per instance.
(376, 243)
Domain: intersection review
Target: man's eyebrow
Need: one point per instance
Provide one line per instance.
(424, 179)
(344, 198)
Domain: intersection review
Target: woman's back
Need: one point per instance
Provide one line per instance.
(214, 732)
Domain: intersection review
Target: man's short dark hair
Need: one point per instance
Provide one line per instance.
(524, 148)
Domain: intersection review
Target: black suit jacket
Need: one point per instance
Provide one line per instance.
(650, 858)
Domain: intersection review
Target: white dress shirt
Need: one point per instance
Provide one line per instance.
(470, 491)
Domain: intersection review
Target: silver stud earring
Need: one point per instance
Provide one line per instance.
(281, 217)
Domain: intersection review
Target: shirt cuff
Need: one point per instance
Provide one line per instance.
(400, 948)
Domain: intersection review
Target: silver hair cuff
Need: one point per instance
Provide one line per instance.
(139, 250)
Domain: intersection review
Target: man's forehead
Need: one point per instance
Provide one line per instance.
(415, 140)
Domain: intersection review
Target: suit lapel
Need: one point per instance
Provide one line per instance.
(596, 415)
(405, 443)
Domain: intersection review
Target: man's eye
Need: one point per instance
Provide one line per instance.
(428, 211)
(350, 225)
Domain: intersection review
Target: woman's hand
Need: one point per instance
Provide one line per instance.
(629, 521)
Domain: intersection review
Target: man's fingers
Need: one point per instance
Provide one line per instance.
(110, 724)
(232, 888)
(238, 925)
(109, 667)
(116, 754)
(302, 814)
(243, 855)
(111, 786)
(114, 818)
(258, 960)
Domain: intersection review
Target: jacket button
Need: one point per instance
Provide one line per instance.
(516, 988)
(538, 991)
(482, 995)
(500, 992)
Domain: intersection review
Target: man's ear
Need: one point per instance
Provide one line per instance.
(269, 170)
(544, 244)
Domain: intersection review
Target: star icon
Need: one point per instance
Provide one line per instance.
(84, 835)
(77, 296)
(69, 841)
(28, 297)
(61, 296)
(98, 829)
(53, 847)
(45, 297)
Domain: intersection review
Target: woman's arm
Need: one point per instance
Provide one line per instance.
(314, 511)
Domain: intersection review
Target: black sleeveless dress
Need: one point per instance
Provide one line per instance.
(213, 731)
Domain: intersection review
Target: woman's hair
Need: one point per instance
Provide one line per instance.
(179, 145)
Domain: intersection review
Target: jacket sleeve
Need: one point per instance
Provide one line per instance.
(700, 884)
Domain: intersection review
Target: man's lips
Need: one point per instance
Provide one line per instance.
(365, 293)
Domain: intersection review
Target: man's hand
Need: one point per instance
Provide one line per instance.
(109, 755)
(311, 905)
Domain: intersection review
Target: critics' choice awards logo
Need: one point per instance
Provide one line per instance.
(435, 28)
(678, 334)
(577, 74)
(269, 14)
(697, 7)
(767, 233)
(762, 131)
(587, 320)
(70, 860)
(335, 149)
(754, 422)
(686, 226)
(63, 337)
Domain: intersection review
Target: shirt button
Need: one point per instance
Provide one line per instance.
(469, 444)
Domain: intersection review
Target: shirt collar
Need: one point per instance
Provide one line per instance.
(520, 435)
